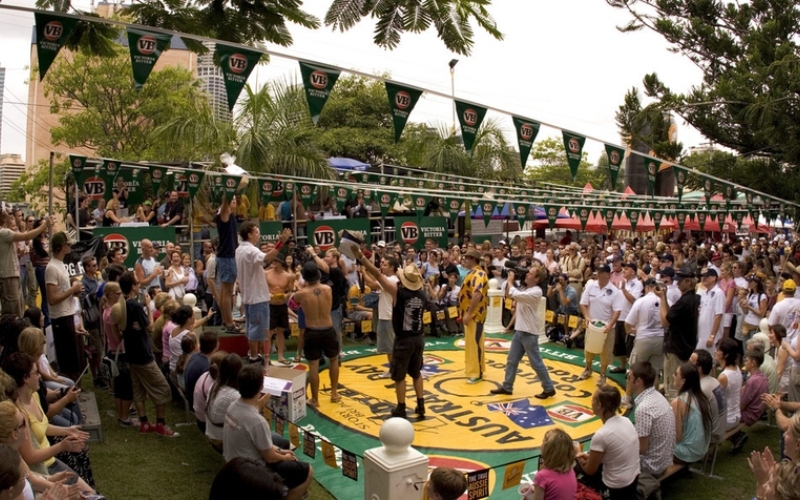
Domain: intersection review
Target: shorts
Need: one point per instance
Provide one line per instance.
(357, 315)
(649, 349)
(319, 341)
(279, 318)
(95, 342)
(69, 352)
(226, 270)
(123, 388)
(148, 381)
(407, 357)
(620, 340)
(385, 332)
(11, 296)
(256, 319)
(293, 472)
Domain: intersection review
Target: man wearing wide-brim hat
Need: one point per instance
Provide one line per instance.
(473, 303)
(408, 304)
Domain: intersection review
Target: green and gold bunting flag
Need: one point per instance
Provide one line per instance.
(367, 193)
(748, 196)
(680, 217)
(470, 116)
(193, 182)
(52, 31)
(420, 204)
(738, 216)
(657, 215)
(111, 169)
(527, 130)
(552, 214)
(729, 193)
(145, 47)
(157, 175)
(652, 166)
(573, 145)
(307, 192)
(615, 158)
(701, 219)
(133, 183)
(633, 217)
(386, 201)
(487, 207)
(708, 189)
(342, 195)
(692, 210)
(236, 64)
(318, 81)
(265, 188)
(77, 163)
(521, 211)
(402, 100)
(454, 207)
(681, 176)
(226, 184)
(583, 216)
(608, 215)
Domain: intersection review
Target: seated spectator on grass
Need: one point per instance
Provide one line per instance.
(704, 363)
(247, 434)
(202, 388)
(730, 379)
(610, 467)
(655, 426)
(692, 416)
(246, 478)
(768, 368)
(750, 403)
(188, 348)
(199, 363)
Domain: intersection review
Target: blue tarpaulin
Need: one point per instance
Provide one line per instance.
(347, 164)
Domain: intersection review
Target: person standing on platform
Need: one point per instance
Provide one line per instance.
(408, 304)
(528, 326)
(225, 221)
(600, 302)
(473, 303)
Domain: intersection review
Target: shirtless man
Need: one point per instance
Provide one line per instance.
(319, 336)
(281, 285)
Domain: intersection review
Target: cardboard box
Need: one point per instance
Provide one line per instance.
(287, 389)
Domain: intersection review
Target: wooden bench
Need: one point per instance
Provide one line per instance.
(91, 416)
(671, 471)
(713, 450)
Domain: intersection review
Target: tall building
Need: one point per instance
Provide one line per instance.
(2, 90)
(213, 83)
(11, 167)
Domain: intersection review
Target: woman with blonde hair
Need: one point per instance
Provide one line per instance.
(110, 218)
(32, 342)
(556, 478)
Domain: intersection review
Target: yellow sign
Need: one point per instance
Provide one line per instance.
(513, 474)
(549, 316)
(463, 416)
(366, 326)
(329, 454)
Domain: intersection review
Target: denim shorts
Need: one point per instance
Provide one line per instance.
(226, 270)
(256, 321)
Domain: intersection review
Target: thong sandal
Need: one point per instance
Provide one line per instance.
(296, 359)
(336, 399)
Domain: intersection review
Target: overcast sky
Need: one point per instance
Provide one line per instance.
(562, 63)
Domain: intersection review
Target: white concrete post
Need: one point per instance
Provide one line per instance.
(395, 471)
(494, 315)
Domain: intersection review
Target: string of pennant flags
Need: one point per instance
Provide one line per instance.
(511, 477)
(453, 196)
(146, 44)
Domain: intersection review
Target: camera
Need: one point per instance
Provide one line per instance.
(519, 272)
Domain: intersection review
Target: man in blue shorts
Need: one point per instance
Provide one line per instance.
(253, 287)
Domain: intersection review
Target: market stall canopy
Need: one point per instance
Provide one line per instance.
(340, 163)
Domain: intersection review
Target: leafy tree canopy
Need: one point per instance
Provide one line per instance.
(748, 97)
(254, 22)
(549, 164)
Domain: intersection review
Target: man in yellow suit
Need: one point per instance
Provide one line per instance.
(472, 305)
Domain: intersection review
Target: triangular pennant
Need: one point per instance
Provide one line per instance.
(521, 211)
(145, 47)
(111, 169)
(681, 218)
(487, 207)
(615, 157)
(157, 175)
(680, 179)
(608, 215)
(657, 215)
(77, 163)
(573, 145)
(267, 187)
(421, 204)
(193, 181)
(652, 165)
(470, 116)
(527, 130)
(633, 217)
(236, 64)
(729, 193)
(708, 189)
(386, 201)
(307, 193)
(318, 81)
(701, 220)
(402, 100)
(552, 214)
(454, 207)
(52, 31)
(583, 216)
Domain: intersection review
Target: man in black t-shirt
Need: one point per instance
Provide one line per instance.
(680, 320)
(408, 305)
(135, 320)
(174, 210)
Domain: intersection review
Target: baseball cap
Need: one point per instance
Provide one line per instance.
(716, 256)
(382, 244)
(668, 271)
(148, 203)
(632, 265)
(667, 256)
(709, 272)
(685, 272)
(603, 269)
(60, 239)
(789, 286)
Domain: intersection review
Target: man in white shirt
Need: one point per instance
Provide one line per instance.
(673, 291)
(499, 262)
(528, 326)
(385, 331)
(643, 322)
(712, 307)
(631, 289)
(147, 269)
(599, 303)
(253, 287)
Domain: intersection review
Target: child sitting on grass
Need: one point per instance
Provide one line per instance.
(446, 483)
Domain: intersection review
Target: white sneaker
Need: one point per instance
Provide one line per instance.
(626, 402)
(601, 380)
(385, 375)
